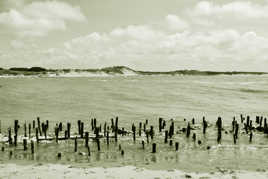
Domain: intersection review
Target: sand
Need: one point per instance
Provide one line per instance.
(58, 171)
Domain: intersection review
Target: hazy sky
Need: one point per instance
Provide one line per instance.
(142, 34)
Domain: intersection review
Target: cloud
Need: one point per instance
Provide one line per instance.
(225, 49)
(38, 18)
(237, 9)
(176, 23)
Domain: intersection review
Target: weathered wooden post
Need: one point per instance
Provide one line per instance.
(36, 135)
(39, 126)
(60, 126)
(25, 130)
(24, 144)
(140, 126)
(177, 146)
(98, 144)
(142, 142)
(250, 137)
(57, 133)
(107, 138)
(82, 130)
(112, 124)
(188, 130)
(194, 137)
(68, 130)
(33, 124)
(134, 132)
(105, 129)
(205, 125)
(152, 132)
(59, 156)
(88, 150)
(9, 136)
(219, 124)
(160, 124)
(79, 126)
(166, 136)
(116, 129)
(32, 146)
(147, 137)
(75, 144)
(29, 128)
(170, 142)
(86, 139)
(234, 136)
(193, 121)
(154, 148)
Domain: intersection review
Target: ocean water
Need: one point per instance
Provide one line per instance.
(134, 99)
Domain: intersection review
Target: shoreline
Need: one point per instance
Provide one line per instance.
(68, 171)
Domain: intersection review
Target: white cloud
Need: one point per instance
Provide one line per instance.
(215, 50)
(238, 9)
(176, 23)
(38, 18)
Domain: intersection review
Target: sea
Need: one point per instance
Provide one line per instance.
(134, 99)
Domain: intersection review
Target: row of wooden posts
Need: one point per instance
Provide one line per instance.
(41, 129)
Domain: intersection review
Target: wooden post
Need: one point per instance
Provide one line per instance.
(152, 132)
(39, 126)
(142, 142)
(29, 128)
(88, 150)
(75, 144)
(86, 139)
(105, 126)
(140, 126)
(122, 152)
(24, 144)
(98, 143)
(154, 148)
(170, 142)
(60, 126)
(160, 124)
(194, 137)
(79, 126)
(59, 156)
(193, 121)
(33, 124)
(234, 139)
(188, 130)
(177, 146)
(9, 136)
(116, 129)
(107, 138)
(250, 137)
(205, 125)
(219, 124)
(69, 130)
(82, 130)
(147, 137)
(25, 130)
(134, 132)
(36, 135)
(57, 133)
(112, 123)
(32, 146)
(166, 136)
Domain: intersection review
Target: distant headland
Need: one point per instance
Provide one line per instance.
(110, 71)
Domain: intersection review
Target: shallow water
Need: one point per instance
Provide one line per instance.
(134, 99)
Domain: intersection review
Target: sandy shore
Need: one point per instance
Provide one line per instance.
(40, 171)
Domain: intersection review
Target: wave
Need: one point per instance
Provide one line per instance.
(108, 71)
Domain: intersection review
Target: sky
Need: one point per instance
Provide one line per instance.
(154, 35)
